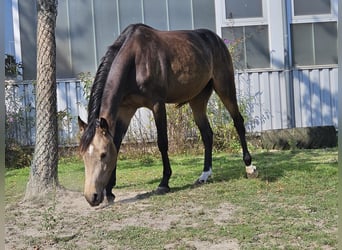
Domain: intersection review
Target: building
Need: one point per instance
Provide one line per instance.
(285, 51)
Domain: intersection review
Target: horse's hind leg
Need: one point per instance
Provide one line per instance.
(159, 112)
(227, 93)
(199, 107)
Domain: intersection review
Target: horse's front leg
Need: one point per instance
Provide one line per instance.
(159, 112)
(124, 117)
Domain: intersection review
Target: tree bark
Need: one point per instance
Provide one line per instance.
(43, 174)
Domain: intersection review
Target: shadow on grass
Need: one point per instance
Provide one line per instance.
(271, 166)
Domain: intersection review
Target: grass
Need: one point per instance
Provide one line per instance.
(292, 205)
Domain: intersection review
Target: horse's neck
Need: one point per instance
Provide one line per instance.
(109, 108)
(115, 88)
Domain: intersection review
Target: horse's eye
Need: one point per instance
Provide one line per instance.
(103, 155)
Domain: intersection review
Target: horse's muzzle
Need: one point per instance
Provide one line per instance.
(94, 199)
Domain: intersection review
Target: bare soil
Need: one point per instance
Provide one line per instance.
(66, 221)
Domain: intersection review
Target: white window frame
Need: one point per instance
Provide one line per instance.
(272, 10)
(313, 18)
(292, 19)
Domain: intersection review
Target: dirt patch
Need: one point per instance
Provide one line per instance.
(67, 221)
(206, 245)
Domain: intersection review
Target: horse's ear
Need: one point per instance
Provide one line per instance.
(104, 124)
(82, 125)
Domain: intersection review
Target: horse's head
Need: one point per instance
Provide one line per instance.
(99, 161)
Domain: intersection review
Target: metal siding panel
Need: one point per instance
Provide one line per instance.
(61, 106)
(297, 98)
(66, 121)
(61, 96)
(130, 12)
(82, 36)
(204, 14)
(63, 50)
(266, 101)
(73, 109)
(26, 118)
(334, 94)
(22, 126)
(238, 85)
(254, 103)
(305, 96)
(106, 28)
(155, 14)
(315, 107)
(275, 100)
(283, 100)
(325, 97)
(82, 103)
(28, 32)
(31, 113)
(180, 16)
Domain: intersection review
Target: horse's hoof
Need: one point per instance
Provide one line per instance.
(199, 182)
(251, 172)
(162, 190)
(204, 177)
(110, 198)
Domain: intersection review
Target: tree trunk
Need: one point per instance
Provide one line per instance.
(43, 174)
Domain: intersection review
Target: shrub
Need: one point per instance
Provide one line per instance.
(17, 156)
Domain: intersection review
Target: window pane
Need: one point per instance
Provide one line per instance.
(257, 49)
(302, 44)
(234, 39)
(314, 43)
(243, 8)
(311, 7)
(248, 46)
(326, 43)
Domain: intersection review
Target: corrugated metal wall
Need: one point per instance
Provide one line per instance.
(315, 97)
(264, 95)
(20, 111)
(272, 99)
(310, 100)
(85, 28)
(71, 103)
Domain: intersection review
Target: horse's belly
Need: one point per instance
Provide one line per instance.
(187, 77)
(180, 92)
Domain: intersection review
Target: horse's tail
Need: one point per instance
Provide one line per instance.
(99, 84)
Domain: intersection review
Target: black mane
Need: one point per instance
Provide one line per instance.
(94, 104)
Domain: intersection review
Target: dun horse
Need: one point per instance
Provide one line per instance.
(149, 68)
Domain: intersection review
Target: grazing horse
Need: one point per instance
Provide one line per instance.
(149, 68)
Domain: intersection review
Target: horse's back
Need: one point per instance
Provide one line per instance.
(175, 64)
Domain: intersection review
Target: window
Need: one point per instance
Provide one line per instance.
(314, 32)
(248, 46)
(315, 7)
(314, 43)
(243, 9)
(245, 32)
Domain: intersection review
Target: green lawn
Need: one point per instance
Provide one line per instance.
(292, 205)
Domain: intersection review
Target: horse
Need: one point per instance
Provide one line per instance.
(146, 67)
